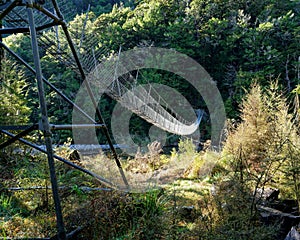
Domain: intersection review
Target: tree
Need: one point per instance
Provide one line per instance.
(245, 41)
(237, 42)
(13, 108)
(265, 143)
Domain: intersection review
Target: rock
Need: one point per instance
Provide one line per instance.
(271, 212)
(267, 194)
(285, 205)
(74, 155)
(293, 235)
(271, 216)
(272, 195)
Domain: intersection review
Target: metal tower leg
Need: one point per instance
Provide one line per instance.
(45, 124)
(91, 95)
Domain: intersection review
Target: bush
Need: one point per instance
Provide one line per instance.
(124, 216)
(263, 147)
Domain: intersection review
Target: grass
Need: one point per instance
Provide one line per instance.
(181, 209)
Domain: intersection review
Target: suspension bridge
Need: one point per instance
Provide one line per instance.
(79, 50)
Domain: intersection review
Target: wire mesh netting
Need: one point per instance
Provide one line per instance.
(17, 17)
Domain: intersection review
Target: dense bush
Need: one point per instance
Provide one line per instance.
(263, 148)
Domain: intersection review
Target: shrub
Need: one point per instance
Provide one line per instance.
(264, 146)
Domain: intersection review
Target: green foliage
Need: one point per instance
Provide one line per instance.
(186, 146)
(265, 144)
(297, 90)
(10, 207)
(5, 204)
(238, 43)
(21, 45)
(13, 88)
(204, 165)
(225, 215)
(119, 216)
(199, 165)
(99, 6)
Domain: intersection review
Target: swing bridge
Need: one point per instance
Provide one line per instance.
(79, 50)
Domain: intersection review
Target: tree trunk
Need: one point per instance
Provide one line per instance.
(287, 78)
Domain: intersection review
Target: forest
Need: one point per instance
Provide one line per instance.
(249, 188)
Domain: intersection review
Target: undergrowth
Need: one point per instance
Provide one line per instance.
(215, 198)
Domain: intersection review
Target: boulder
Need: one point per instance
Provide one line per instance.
(293, 234)
(286, 220)
(267, 194)
(285, 205)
